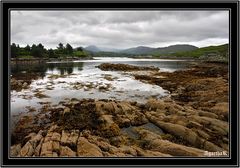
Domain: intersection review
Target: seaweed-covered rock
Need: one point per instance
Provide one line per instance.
(125, 67)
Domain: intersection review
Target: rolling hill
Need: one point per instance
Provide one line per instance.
(175, 48)
(141, 50)
(138, 50)
(221, 50)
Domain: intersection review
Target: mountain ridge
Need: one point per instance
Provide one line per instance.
(161, 50)
(92, 48)
(143, 50)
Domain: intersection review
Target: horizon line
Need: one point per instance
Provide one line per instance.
(99, 47)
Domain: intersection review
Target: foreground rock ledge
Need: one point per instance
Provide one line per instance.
(77, 131)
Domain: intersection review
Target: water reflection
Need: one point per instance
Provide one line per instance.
(26, 71)
(65, 68)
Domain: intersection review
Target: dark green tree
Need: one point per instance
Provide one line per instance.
(37, 51)
(51, 53)
(33, 47)
(60, 49)
(79, 49)
(27, 48)
(60, 46)
(40, 46)
(41, 50)
(14, 50)
(69, 49)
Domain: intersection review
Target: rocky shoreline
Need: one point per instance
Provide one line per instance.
(43, 60)
(191, 121)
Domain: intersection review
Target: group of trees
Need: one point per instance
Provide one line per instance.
(39, 51)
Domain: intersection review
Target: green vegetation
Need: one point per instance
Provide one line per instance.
(38, 51)
(143, 50)
(218, 51)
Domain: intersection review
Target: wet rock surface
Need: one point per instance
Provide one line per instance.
(23, 80)
(18, 85)
(125, 67)
(192, 120)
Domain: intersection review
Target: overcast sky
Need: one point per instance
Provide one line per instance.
(120, 29)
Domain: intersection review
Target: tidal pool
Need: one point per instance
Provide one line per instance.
(54, 82)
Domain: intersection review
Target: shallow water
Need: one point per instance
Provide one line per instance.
(64, 87)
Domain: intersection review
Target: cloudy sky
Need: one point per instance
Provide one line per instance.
(120, 29)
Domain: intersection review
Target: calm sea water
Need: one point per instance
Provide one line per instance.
(123, 87)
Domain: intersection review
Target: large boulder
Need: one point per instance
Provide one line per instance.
(47, 149)
(66, 152)
(221, 109)
(216, 126)
(187, 134)
(38, 148)
(36, 139)
(164, 146)
(69, 138)
(14, 150)
(149, 153)
(27, 150)
(87, 149)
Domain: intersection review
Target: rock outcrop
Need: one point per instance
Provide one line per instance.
(125, 67)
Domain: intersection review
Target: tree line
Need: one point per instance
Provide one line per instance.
(38, 51)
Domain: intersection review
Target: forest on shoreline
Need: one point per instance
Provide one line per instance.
(39, 51)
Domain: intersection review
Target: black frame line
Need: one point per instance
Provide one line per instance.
(232, 44)
(127, 9)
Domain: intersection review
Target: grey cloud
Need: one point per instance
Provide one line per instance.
(53, 32)
(120, 29)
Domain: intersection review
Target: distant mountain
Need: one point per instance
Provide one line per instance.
(110, 54)
(143, 50)
(138, 50)
(175, 48)
(161, 50)
(92, 48)
(106, 49)
(179, 50)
